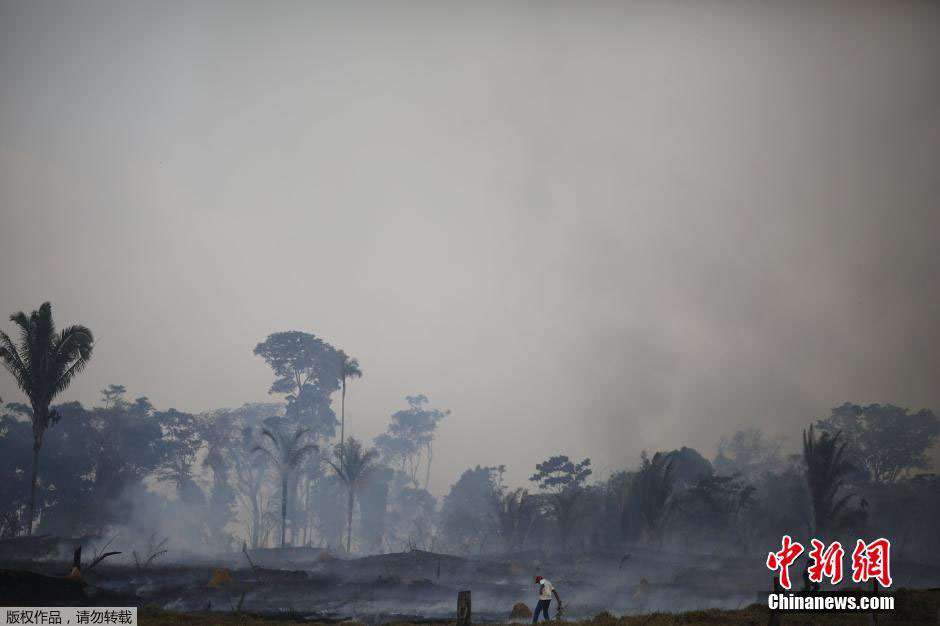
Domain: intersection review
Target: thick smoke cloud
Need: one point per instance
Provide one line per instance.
(587, 229)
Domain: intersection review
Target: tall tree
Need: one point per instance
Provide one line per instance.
(306, 372)
(217, 432)
(748, 453)
(563, 481)
(373, 508)
(287, 454)
(353, 466)
(181, 441)
(68, 463)
(417, 424)
(885, 441)
(826, 471)
(466, 521)
(112, 395)
(350, 369)
(618, 492)
(43, 364)
(235, 432)
(395, 449)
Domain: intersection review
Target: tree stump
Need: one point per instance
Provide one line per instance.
(76, 572)
(464, 615)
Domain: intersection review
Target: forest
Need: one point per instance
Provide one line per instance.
(280, 474)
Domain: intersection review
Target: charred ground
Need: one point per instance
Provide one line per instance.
(417, 586)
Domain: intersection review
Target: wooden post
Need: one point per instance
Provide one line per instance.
(464, 615)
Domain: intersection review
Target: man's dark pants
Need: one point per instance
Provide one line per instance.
(541, 606)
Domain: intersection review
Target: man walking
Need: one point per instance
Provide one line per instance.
(546, 591)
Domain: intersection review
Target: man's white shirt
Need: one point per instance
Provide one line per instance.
(545, 592)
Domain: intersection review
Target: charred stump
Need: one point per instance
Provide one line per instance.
(76, 572)
(464, 615)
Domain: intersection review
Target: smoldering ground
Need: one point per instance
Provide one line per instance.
(424, 585)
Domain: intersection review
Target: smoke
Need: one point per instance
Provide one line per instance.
(585, 229)
(733, 225)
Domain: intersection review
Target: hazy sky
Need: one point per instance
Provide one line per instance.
(586, 228)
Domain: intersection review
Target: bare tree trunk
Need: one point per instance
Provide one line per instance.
(414, 465)
(342, 412)
(306, 528)
(283, 508)
(350, 516)
(294, 521)
(427, 475)
(255, 520)
(37, 443)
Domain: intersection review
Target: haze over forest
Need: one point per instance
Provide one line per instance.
(586, 229)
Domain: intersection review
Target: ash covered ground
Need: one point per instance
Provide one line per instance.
(414, 585)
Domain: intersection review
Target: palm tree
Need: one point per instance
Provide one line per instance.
(353, 465)
(513, 513)
(651, 495)
(826, 470)
(287, 456)
(43, 364)
(350, 369)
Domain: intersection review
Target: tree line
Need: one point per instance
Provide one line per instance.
(861, 472)
(276, 474)
(269, 473)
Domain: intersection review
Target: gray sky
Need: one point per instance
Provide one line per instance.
(586, 228)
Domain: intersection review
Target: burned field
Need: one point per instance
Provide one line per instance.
(381, 588)
(309, 584)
